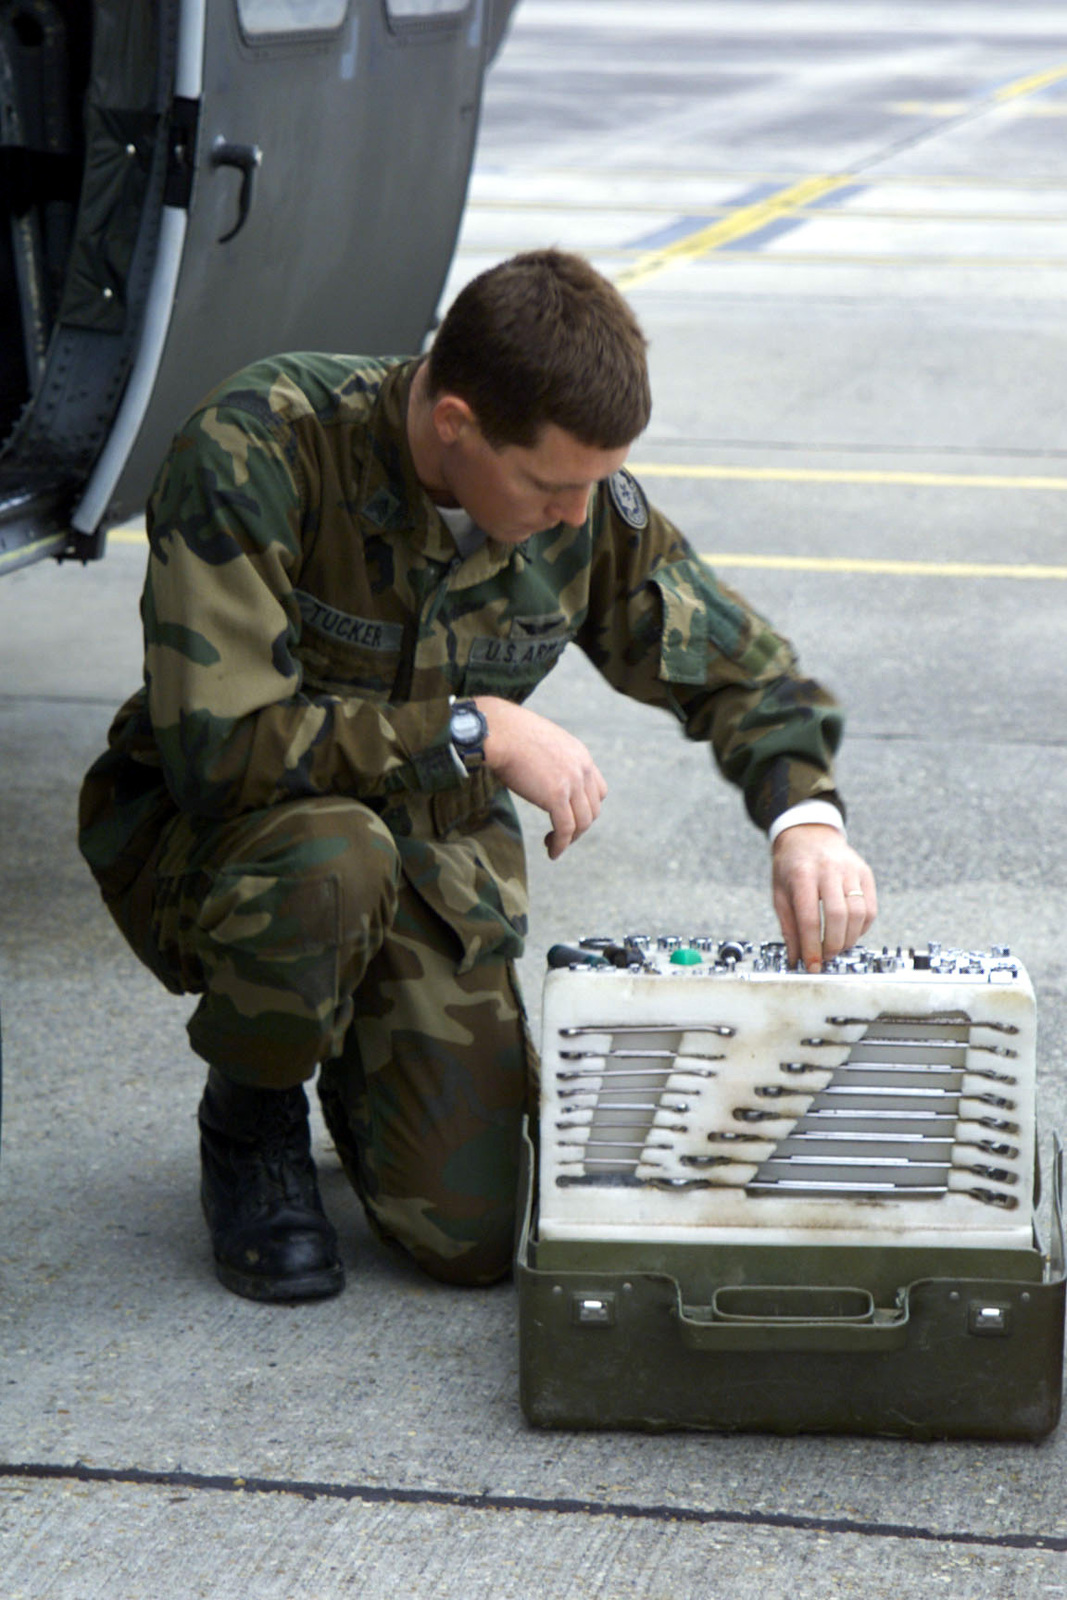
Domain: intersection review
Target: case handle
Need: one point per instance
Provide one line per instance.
(793, 1317)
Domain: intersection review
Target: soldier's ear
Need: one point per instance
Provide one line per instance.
(452, 417)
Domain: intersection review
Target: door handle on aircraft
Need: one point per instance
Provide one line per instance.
(246, 158)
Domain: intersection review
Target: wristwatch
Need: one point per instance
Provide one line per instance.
(468, 728)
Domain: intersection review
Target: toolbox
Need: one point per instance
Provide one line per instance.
(756, 1198)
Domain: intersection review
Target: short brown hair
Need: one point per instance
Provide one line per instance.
(543, 338)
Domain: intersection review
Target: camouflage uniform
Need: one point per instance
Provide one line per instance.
(280, 823)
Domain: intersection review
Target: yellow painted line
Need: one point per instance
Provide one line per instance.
(627, 207)
(931, 180)
(737, 175)
(904, 479)
(878, 567)
(1037, 80)
(788, 201)
(930, 108)
(819, 258)
(958, 108)
(823, 258)
(746, 220)
(927, 569)
(24, 554)
(856, 212)
(1031, 84)
(860, 213)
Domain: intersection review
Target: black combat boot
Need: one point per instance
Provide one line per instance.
(271, 1237)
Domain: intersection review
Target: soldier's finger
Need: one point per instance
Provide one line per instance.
(582, 815)
(808, 918)
(787, 922)
(835, 918)
(858, 919)
(861, 904)
(564, 829)
(595, 791)
(870, 896)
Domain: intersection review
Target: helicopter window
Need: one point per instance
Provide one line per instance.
(275, 17)
(420, 10)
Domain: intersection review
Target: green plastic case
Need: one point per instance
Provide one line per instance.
(920, 1343)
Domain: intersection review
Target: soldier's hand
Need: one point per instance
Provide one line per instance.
(546, 765)
(824, 893)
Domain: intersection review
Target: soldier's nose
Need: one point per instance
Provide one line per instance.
(572, 508)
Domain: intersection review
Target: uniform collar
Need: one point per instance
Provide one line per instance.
(391, 497)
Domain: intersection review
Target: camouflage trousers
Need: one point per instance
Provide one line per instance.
(306, 945)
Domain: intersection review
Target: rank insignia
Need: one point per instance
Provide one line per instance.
(628, 498)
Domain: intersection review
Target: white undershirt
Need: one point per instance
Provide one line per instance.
(460, 525)
(807, 811)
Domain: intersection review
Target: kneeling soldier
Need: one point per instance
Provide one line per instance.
(360, 570)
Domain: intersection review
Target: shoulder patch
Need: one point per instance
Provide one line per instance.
(628, 498)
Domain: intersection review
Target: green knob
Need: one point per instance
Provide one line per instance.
(686, 958)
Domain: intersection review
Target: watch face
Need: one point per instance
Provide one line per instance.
(466, 725)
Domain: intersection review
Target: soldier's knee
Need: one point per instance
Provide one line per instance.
(310, 872)
(336, 865)
(471, 1253)
(486, 1263)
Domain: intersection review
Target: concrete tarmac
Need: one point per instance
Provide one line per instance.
(844, 227)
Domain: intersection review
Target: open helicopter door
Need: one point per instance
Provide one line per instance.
(83, 141)
(194, 184)
(86, 97)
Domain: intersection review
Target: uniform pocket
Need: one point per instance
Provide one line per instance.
(474, 879)
(513, 665)
(683, 650)
(700, 619)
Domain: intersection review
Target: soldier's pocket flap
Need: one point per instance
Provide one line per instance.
(683, 631)
(701, 617)
(477, 886)
(466, 803)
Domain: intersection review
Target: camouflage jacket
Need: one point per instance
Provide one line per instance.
(307, 617)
